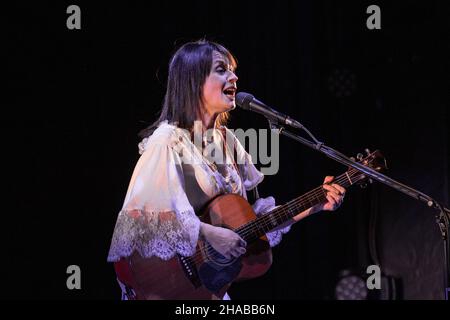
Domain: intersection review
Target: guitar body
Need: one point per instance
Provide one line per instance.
(207, 274)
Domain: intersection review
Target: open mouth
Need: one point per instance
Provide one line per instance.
(230, 92)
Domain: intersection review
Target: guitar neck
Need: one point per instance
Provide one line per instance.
(278, 216)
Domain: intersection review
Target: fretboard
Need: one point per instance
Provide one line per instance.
(254, 229)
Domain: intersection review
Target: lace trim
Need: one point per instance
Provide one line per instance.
(275, 237)
(263, 206)
(207, 171)
(142, 146)
(161, 234)
(252, 177)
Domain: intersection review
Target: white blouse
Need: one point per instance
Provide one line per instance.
(172, 180)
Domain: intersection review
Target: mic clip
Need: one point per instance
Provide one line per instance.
(275, 127)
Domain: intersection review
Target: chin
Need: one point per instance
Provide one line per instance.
(225, 106)
(231, 106)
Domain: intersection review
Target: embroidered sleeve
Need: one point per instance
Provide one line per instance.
(157, 218)
(263, 206)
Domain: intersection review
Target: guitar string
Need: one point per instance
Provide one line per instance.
(294, 204)
(248, 229)
(314, 194)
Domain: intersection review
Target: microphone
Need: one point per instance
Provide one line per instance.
(248, 102)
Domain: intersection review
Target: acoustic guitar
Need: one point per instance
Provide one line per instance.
(207, 274)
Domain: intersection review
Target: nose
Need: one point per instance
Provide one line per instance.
(233, 78)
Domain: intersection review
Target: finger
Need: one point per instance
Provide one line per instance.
(242, 243)
(335, 191)
(328, 179)
(237, 252)
(331, 200)
(339, 188)
(234, 253)
(240, 250)
(330, 188)
(336, 197)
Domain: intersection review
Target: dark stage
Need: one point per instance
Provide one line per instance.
(76, 100)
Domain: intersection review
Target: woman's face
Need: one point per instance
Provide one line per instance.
(219, 90)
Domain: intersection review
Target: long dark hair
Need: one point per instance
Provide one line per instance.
(188, 69)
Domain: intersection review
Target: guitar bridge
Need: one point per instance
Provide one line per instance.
(190, 270)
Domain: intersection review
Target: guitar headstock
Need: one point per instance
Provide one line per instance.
(374, 160)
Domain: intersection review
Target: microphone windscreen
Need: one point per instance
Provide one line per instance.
(243, 99)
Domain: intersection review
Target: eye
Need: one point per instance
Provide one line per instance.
(220, 69)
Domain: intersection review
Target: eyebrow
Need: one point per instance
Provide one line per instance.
(223, 63)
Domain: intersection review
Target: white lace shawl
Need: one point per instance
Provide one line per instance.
(157, 218)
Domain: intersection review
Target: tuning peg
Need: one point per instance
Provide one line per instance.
(367, 151)
(352, 158)
(359, 156)
(370, 180)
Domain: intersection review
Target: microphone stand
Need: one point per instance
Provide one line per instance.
(442, 217)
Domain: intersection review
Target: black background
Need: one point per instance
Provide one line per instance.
(75, 100)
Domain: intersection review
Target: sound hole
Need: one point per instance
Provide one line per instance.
(218, 270)
(216, 257)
